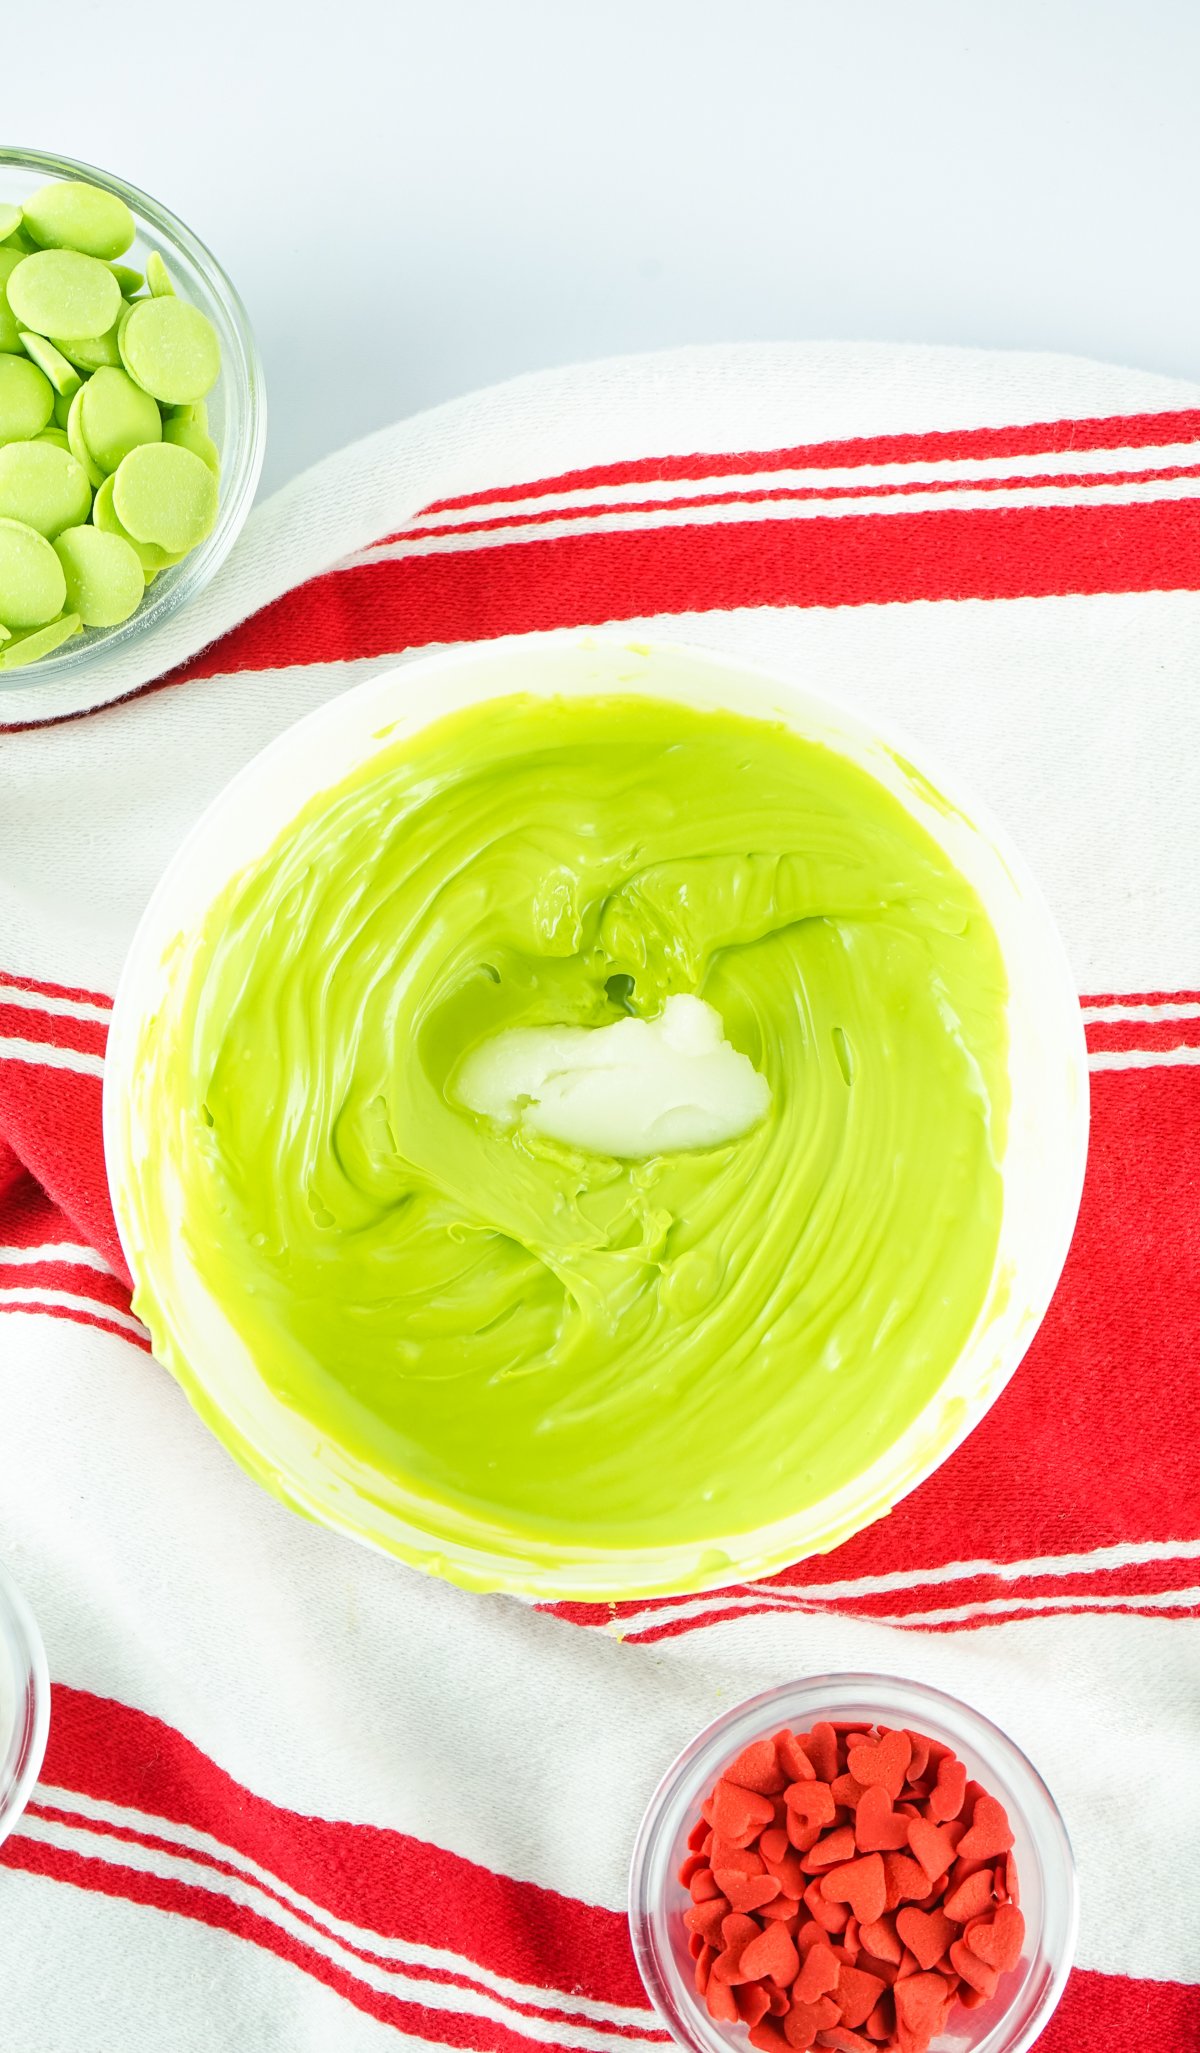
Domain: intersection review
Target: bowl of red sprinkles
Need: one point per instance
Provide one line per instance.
(853, 1864)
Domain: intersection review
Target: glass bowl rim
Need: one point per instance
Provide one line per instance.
(751, 1718)
(23, 1641)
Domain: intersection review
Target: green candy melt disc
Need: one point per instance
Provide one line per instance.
(10, 327)
(32, 585)
(170, 348)
(60, 293)
(187, 434)
(104, 516)
(62, 375)
(74, 215)
(165, 495)
(42, 486)
(117, 416)
(77, 443)
(29, 648)
(26, 399)
(158, 278)
(104, 577)
(92, 352)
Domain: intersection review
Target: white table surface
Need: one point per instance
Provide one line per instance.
(416, 199)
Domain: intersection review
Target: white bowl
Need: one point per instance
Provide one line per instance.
(1042, 1168)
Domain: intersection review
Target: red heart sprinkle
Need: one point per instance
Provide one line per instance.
(811, 1801)
(1010, 1881)
(856, 1995)
(740, 1814)
(971, 1898)
(920, 1756)
(805, 2020)
(946, 1796)
(792, 1758)
(691, 1866)
(780, 1907)
(840, 2039)
(926, 1933)
(771, 1956)
(990, 1831)
(821, 1746)
(885, 1764)
(803, 1837)
(859, 1883)
(703, 1885)
(847, 1791)
(1000, 1939)
(877, 1827)
(706, 1918)
(834, 1917)
(724, 1854)
(972, 1969)
(906, 1879)
(879, 1938)
(737, 1930)
(747, 1892)
(757, 1767)
(881, 2023)
(698, 1834)
(767, 2037)
(932, 1846)
(920, 2007)
(818, 1974)
(834, 1847)
(719, 1998)
(752, 2002)
(704, 1961)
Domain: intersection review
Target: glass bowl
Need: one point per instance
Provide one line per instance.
(24, 1703)
(237, 414)
(1024, 2000)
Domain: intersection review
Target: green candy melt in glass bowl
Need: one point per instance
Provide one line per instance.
(236, 405)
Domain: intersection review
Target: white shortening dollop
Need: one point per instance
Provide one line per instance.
(637, 1088)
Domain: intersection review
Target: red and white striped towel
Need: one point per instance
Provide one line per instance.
(297, 1798)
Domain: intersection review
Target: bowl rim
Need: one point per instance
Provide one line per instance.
(583, 1574)
(241, 464)
(23, 1641)
(752, 1717)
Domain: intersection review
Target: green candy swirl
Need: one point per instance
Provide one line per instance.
(528, 1340)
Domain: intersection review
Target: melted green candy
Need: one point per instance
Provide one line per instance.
(528, 1341)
